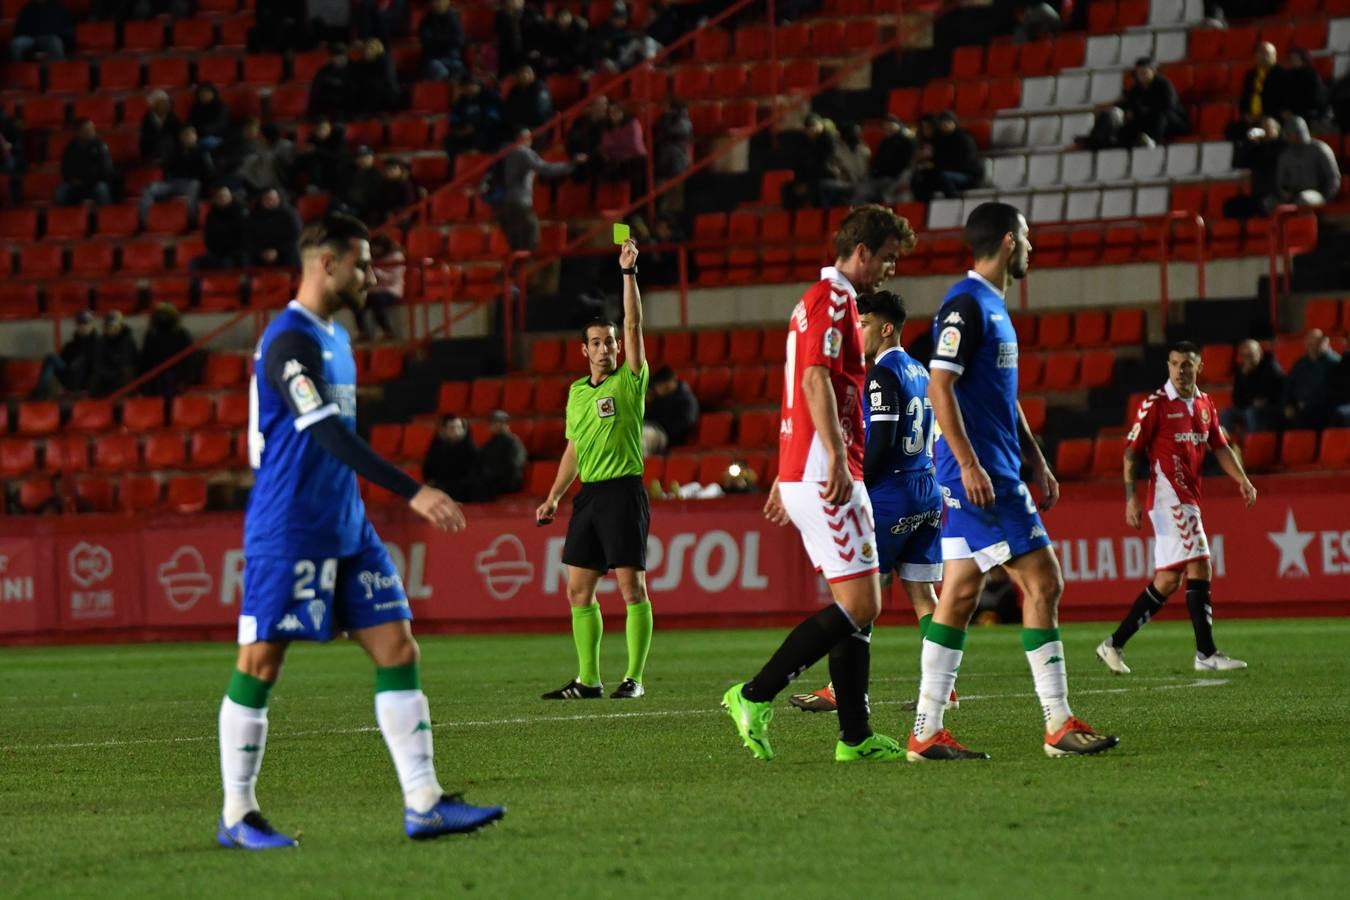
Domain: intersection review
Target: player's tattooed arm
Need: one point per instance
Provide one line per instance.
(634, 351)
(1134, 513)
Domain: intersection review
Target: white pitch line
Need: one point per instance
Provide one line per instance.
(533, 720)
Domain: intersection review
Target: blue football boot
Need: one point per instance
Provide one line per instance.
(253, 832)
(450, 815)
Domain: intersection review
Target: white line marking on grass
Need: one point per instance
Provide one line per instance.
(536, 720)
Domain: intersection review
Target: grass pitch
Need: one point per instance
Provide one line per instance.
(1230, 785)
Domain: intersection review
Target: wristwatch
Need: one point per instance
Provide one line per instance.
(632, 271)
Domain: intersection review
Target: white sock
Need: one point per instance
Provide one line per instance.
(1052, 683)
(243, 738)
(939, 667)
(405, 722)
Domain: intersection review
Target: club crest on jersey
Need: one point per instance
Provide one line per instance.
(316, 609)
(303, 393)
(833, 343)
(949, 341)
(1204, 415)
(605, 408)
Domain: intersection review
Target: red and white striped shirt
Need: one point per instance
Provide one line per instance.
(1174, 431)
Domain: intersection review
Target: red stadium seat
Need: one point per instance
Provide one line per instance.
(142, 414)
(92, 259)
(40, 261)
(96, 37)
(1108, 456)
(1073, 457)
(224, 370)
(1089, 328)
(263, 69)
(193, 34)
(1055, 330)
(68, 77)
(968, 62)
(1298, 447)
(138, 493)
(1323, 313)
(116, 452)
(386, 439)
(190, 411)
(1003, 58)
(747, 385)
(142, 35)
(546, 355)
(90, 416)
(18, 456)
(758, 428)
(165, 450)
(1258, 451)
(1061, 371)
(713, 386)
(19, 301)
(67, 222)
(417, 438)
(677, 348)
(386, 363)
(1335, 450)
(485, 395)
(1030, 371)
(232, 410)
(1070, 51)
(186, 494)
(712, 467)
(714, 429)
(94, 494)
(167, 72)
(518, 395)
(1127, 327)
(66, 453)
(1098, 368)
(550, 394)
(35, 495)
(38, 418)
(539, 478)
(166, 219)
(1217, 362)
(18, 225)
(549, 439)
(681, 468)
(744, 346)
(710, 347)
(1034, 409)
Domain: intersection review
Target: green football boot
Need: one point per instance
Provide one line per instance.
(877, 747)
(752, 720)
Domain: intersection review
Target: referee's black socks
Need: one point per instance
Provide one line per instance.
(850, 668)
(800, 650)
(1146, 606)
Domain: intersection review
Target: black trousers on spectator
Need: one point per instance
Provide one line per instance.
(520, 225)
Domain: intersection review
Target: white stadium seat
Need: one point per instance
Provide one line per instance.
(1106, 88)
(1079, 168)
(1009, 171)
(1170, 46)
(1043, 169)
(1038, 93)
(1009, 131)
(1117, 203)
(1150, 201)
(1083, 206)
(1182, 160)
(1103, 51)
(1072, 89)
(944, 213)
(1147, 163)
(1216, 158)
(1341, 64)
(1339, 36)
(1112, 165)
(1043, 131)
(1075, 125)
(1135, 44)
(1194, 12)
(1165, 12)
(1047, 206)
(1019, 199)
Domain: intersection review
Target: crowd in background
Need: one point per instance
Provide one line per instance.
(1314, 393)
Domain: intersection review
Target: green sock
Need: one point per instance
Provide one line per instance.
(639, 638)
(1034, 638)
(924, 622)
(946, 636)
(248, 691)
(587, 629)
(398, 678)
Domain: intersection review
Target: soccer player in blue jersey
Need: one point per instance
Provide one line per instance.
(314, 566)
(897, 467)
(992, 518)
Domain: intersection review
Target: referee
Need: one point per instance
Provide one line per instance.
(610, 518)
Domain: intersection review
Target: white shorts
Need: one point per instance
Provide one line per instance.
(1178, 533)
(840, 540)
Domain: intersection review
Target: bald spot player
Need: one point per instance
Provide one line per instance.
(610, 518)
(820, 490)
(1174, 426)
(314, 566)
(991, 518)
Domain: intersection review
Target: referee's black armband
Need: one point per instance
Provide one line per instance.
(350, 449)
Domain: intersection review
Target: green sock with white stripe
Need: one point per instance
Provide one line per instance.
(943, 647)
(1045, 656)
(404, 716)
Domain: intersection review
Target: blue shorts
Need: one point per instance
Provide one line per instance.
(289, 599)
(1012, 527)
(908, 513)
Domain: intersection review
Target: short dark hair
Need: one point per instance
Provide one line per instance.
(885, 304)
(1146, 61)
(449, 417)
(335, 231)
(987, 224)
(596, 323)
(872, 226)
(663, 374)
(1184, 347)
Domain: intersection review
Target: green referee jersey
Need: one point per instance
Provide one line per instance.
(605, 421)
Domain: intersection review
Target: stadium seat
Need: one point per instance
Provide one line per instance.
(1061, 371)
(36, 494)
(550, 394)
(41, 261)
(142, 35)
(1298, 448)
(712, 467)
(165, 450)
(681, 468)
(1288, 349)
(232, 410)
(747, 385)
(142, 414)
(66, 453)
(1089, 328)
(224, 370)
(19, 301)
(1107, 455)
(1030, 371)
(1323, 313)
(1073, 457)
(549, 439)
(453, 398)
(714, 429)
(89, 416)
(743, 346)
(186, 494)
(1055, 330)
(386, 363)
(1034, 408)
(94, 494)
(677, 348)
(18, 225)
(1098, 368)
(66, 223)
(18, 456)
(417, 438)
(138, 493)
(546, 355)
(167, 219)
(1128, 327)
(485, 395)
(1335, 449)
(712, 386)
(193, 34)
(1258, 451)
(38, 418)
(710, 347)
(757, 428)
(209, 449)
(517, 396)
(116, 452)
(386, 438)
(190, 411)
(1217, 362)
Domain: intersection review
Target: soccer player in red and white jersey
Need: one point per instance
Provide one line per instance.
(1174, 426)
(820, 490)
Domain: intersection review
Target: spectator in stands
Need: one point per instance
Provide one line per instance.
(223, 232)
(395, 191)
(671, 415)
(561, 44)
(1301, 89)
(586, 133)
(323, 163)
(667, 22)
(210, 116)
(159, 128)
(451, 463)
(475, 119)
(661, 266)
(265, 157)
(848, 167)
(1308, 400)
(515, 213)
(1340, 392)
(44, 27)
(442, 38)
(331, 91)
(166, 337)
(1260, 91)
(373, 79)
(1259, 153)
(529, 104)
(1258, 389)
(955, 166)
(71, 369)
(11, 153)
(614, 46)
(624, 151)
(674, 131)
(1153, 111)
(282, 26)
(86, 169)
(511, 22)
(115, 356)
(383, 20)
(273, 232)
(390, 267)
(188, 167)
(1306, 173)
(894, 156)
(810, 164)
(1033, 20)
(502, 460)
(359, 196)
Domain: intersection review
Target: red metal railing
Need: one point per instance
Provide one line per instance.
(1284, 246)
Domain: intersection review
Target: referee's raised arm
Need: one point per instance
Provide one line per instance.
(634, 352)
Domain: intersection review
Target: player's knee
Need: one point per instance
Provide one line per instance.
(1166, 582)
(580, 595)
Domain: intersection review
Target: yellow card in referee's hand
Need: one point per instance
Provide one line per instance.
(621, 233)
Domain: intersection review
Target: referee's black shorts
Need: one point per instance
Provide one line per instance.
(609, 524)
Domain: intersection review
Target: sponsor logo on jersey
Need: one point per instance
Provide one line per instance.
(910, 524)
(954, 319)
(1192, 437)
(949, 341)
(378, 581)
(876, 402)
(290, 622)
(948, 499)
(1007, 355)
(303, 394)
(874, 386)
(833, 343)
(604, 407)
(996, 317)
(292, 368)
